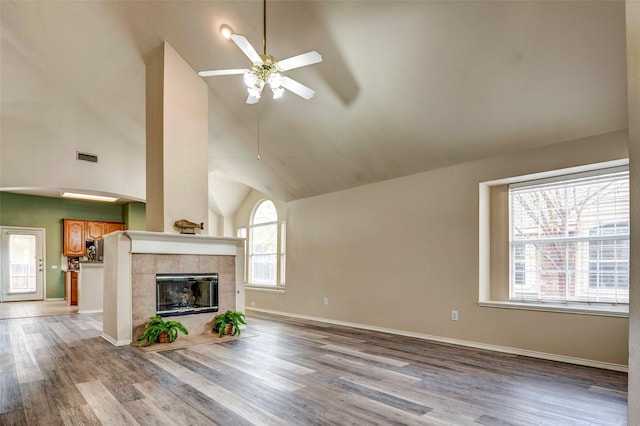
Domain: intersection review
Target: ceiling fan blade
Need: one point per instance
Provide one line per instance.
(298, 61)
(220, 72)
(297, 88)
(244, 45)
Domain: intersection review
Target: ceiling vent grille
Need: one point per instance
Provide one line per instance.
(92, 158)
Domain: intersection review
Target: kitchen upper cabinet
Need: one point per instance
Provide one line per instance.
(76, 232)
(113, 227)
(74, 238)
(94, 230)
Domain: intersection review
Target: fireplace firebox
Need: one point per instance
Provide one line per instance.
(181, 294)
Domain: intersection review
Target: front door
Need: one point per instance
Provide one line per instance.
(23, 266)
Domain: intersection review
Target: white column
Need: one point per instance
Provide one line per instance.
(177, 142)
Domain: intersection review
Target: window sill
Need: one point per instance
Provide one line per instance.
(254, 287)
(621, 311)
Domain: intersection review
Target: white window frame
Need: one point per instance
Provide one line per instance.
(486, 290)
(569, 253)
(279, 254)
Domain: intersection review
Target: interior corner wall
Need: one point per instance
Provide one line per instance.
(177, 142)
(228, 227)
(214, 224)
(633, 87)
(402, 254)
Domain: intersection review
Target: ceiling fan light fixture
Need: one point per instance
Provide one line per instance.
(277, 92)
(265, 69)
(255, 91)
(250, 79)
(226, 31)
(275, 80)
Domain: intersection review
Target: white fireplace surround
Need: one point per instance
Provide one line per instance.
(119, 250)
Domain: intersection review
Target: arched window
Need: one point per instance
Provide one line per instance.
(263, 245)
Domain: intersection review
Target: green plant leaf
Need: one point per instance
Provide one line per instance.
(157, 325)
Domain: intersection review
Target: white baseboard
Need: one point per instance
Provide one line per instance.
(91, 311)
(115, 342)
(476, 345)
(54, 298)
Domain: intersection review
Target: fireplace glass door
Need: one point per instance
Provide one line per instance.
(178, 294)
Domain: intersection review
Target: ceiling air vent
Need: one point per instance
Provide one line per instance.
(92, 158)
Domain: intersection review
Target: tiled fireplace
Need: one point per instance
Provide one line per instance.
(190, 293)
(133, 259)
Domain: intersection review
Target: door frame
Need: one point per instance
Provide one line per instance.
(43, 233)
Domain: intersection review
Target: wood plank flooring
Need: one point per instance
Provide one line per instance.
(56, 370)
(35, 308)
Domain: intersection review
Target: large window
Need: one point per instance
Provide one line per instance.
(266, 251)
(569, 238)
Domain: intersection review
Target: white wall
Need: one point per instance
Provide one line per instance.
(51, 126)
(177, 140)
(402, 254)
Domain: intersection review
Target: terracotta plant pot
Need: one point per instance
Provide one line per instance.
(164, 337)
(228, 329)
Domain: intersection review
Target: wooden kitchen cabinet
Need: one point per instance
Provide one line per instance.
(94, 230)
(73, 238)
(113, 227)
(76, 232)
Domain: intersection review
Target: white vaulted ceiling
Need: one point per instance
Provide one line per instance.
(405, 86)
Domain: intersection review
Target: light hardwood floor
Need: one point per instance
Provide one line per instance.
(36, 308)
(57, 370)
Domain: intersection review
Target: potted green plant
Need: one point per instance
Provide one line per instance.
(229, 323)
(157, 329)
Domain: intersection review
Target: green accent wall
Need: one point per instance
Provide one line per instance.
(46, 212)
(135, 216)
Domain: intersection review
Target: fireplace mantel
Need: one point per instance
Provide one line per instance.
(133, 258)
(166, 243)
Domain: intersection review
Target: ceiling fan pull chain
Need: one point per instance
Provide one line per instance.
(258, 132)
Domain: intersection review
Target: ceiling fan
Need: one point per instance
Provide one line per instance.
(265, 69)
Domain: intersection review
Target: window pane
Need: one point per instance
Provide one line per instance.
(265, 212)
(570, 240)
(241, 232)
(263, 244)
(22, 263)
(264, 239)
(264, 269)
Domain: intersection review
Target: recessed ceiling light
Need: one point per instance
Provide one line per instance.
(89, 197)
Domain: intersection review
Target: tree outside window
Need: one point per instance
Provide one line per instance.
(570, 239)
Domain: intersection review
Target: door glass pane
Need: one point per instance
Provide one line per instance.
(22, 263)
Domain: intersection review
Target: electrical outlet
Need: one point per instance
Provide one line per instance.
(253, 303)
(325, 301)
(454, 315)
